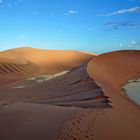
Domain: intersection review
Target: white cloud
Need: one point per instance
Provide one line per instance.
(9, 4)
(124, 11)
(122, 25)
(121, 44)
(134, 0)
(134, 44)
(71, 12)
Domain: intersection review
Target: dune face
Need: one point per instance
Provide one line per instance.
(119, 65)
(73, 89)
(21, 63)
(50, 61)
(111, 71)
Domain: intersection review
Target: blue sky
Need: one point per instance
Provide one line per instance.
(95, 26)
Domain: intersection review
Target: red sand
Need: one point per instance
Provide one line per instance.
(111, 71)
(72, 106)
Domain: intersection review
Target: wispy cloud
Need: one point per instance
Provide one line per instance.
(134, 44)
(71, 12)
(4, 3)
(121, 45)
(134, 0)
(124, 11)
(120, 25)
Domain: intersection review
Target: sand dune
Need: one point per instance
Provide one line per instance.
(50, 61)
(58, 95)
(111, 71)
(67, 95)
(21, 63)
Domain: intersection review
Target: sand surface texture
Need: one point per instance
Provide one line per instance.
(67, 95)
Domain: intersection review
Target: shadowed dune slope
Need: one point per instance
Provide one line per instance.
(74, 88)
(12, 70)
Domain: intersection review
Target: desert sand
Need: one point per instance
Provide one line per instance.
(110, 71)
(67, 95)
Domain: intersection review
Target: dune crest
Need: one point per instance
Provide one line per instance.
(50, 61)
(111, 71)
(21, 63)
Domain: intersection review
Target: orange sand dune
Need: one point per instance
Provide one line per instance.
(50, 61)
(21, 63)
(111, 71)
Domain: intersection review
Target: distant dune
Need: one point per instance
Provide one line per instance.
(67, 95)
(21, 63)
(50, 61)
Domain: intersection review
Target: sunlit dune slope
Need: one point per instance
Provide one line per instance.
(21, 63)
(50, 61)
(111, 71)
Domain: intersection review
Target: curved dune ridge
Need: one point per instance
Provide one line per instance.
(21, 63)
(110, 71)
(67, 95)
(50, 61)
